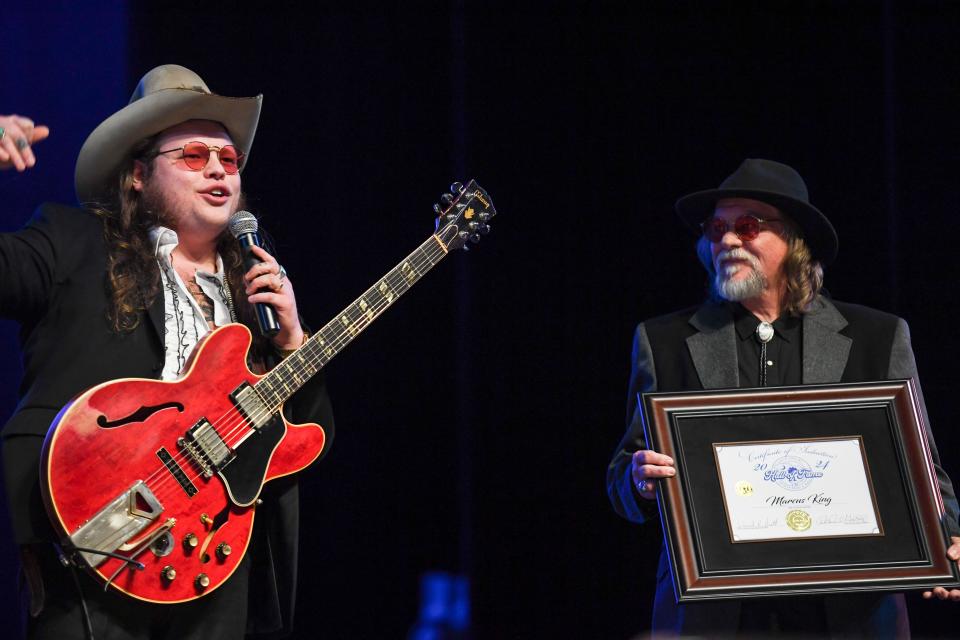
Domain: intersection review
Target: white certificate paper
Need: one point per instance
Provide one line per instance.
(777, 490)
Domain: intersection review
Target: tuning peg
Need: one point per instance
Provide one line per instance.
(473, 226)
(484, 216)
(456, 187)
(475, 238)
(437, 210)
(484, 229)
(446, 199)
(450, 217)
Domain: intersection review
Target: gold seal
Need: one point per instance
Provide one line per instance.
(799, 520)
(744, 488)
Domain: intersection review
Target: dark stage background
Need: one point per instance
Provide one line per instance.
(476, 418)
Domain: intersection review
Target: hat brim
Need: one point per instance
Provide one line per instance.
(106, 149)
(817, 230)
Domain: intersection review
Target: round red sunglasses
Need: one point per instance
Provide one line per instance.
(196, 155)
(746, 227)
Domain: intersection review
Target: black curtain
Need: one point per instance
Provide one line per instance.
(476, 418)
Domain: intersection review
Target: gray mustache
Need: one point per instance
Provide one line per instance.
(736, 254)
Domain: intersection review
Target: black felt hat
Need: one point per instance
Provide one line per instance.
(776, 184)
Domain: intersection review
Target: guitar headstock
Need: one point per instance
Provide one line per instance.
(463, 214)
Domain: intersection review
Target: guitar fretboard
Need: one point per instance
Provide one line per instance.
(288, 376)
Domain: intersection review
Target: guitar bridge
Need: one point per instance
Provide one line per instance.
(206, 448)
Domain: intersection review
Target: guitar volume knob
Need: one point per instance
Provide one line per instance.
(190, 541)
(224, 550)
(168, 573)
(202, 581)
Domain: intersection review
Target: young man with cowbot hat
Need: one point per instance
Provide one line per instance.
(765, 324)
(125, 287)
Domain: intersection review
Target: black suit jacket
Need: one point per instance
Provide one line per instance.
(696, 349)
(52, 280)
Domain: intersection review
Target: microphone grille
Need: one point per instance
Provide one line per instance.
(243, 222)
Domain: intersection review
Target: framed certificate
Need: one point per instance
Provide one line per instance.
(811, 489)
(793, 489)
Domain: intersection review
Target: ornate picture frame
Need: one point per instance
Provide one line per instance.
(908, 551)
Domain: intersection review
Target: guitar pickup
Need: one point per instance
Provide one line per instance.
(203, 444)
(251, 405)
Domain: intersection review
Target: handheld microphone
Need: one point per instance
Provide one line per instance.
(243, 225)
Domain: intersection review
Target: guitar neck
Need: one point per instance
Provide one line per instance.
(291, 374)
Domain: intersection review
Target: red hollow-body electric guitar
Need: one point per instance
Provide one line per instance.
(153, 485)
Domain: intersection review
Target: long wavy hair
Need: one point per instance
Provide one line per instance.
(802, 273)
(132, 279)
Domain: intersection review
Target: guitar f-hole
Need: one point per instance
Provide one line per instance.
(139, 415)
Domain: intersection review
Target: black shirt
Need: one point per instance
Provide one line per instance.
(784, 360)
(784, 367)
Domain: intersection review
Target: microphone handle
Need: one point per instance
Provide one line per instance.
(266, 316)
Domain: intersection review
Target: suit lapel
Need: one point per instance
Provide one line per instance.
(714, 348)
(825, 351)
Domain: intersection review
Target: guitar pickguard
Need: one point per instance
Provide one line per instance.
(245, 474)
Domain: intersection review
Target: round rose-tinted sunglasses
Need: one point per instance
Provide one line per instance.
(196, 155)
(746, 227)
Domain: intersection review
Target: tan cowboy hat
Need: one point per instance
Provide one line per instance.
(166, 96)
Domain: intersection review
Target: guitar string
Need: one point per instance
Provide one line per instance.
(340, 340)
(279, 376)
(356, 325)
(337, 342)
(229, 430)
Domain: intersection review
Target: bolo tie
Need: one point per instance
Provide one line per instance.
(764, 335)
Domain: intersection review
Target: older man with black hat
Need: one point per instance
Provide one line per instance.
(766, 323)
(124, 287)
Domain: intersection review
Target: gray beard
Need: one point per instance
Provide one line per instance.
(736, 291)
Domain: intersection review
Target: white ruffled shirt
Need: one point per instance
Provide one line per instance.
(184, 322)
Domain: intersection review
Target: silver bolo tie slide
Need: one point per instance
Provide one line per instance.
(764, 335)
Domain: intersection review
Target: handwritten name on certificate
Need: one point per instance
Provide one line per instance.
(777, 490)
